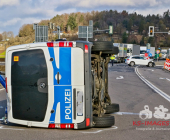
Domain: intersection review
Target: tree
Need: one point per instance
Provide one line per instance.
(1, 37)
(130, 23)
(26, 30)
(124, 38)
(4, 35)
(141, 27)
(72, 22)
(96, 25)
(81, 18)
(10, 34)
(134, 42)
(142, 43)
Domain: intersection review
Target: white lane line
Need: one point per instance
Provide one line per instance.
(98, 131)
(120, 77)
(1, 106)
(167, 79)
(1, 127)
(125, 113)
(160, 92)
(150, 69)
(2, 89)
(161, 78)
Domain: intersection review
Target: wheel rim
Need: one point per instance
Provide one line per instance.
(150, 64)
(132, 63)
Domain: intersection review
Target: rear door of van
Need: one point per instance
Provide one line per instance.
(27, 85)
(68, 85)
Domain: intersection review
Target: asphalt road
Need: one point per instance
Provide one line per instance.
(125, 88)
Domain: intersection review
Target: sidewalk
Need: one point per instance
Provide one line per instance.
(161, 62)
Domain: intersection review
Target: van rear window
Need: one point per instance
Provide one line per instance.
(27, 67)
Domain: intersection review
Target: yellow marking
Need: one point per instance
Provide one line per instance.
(16, 58)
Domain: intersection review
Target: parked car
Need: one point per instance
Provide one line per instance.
(139, 60)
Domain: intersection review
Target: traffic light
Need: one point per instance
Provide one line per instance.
(49, 25)
(53, 26)
(151, 31)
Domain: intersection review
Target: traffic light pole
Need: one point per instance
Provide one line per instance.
(58, 28)
(162, 32)
(151, 32)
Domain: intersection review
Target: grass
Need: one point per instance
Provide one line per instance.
(2, 55)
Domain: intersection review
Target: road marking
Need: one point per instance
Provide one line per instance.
(159, 65)
(150, 69)
(120, 77)
(98, 131)
(167, 79)
(1, 127)
(164, 78)
(2, 89)
(1, 106)
(160, 92)
(161, 78)
(125, 113)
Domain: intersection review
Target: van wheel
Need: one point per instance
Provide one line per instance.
(104, 121)
(112, 108)
(150, 64)
(132, 63)
(105, 46)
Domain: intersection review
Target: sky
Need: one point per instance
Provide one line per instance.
(15, 13)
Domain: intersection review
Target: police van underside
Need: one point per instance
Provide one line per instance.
(60, 84)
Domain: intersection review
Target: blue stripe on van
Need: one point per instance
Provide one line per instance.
(63, 90)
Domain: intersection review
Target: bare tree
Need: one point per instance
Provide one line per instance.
(1, 37)
(4, 35)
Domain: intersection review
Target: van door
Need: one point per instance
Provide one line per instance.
(68, 84)
(29, 86)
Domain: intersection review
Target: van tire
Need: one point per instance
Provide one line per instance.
(105, 46)
(104, 121)
(112, 108)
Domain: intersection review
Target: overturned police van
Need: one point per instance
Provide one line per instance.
(62, 84)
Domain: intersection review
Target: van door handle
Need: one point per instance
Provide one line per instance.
(58, 77)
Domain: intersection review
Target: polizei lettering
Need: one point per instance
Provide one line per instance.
(68, 104)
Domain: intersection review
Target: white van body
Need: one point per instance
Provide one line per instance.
(46, 85)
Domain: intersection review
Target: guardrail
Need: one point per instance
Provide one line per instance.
(167, 64)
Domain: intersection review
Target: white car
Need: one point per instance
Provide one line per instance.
(139, 60)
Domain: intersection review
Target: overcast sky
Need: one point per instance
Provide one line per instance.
(15, 13)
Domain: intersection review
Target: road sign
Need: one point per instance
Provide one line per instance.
(146, 54)
(41, 33)
(150, 54)
(110, 29)
(82, 32)
(148, 50)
